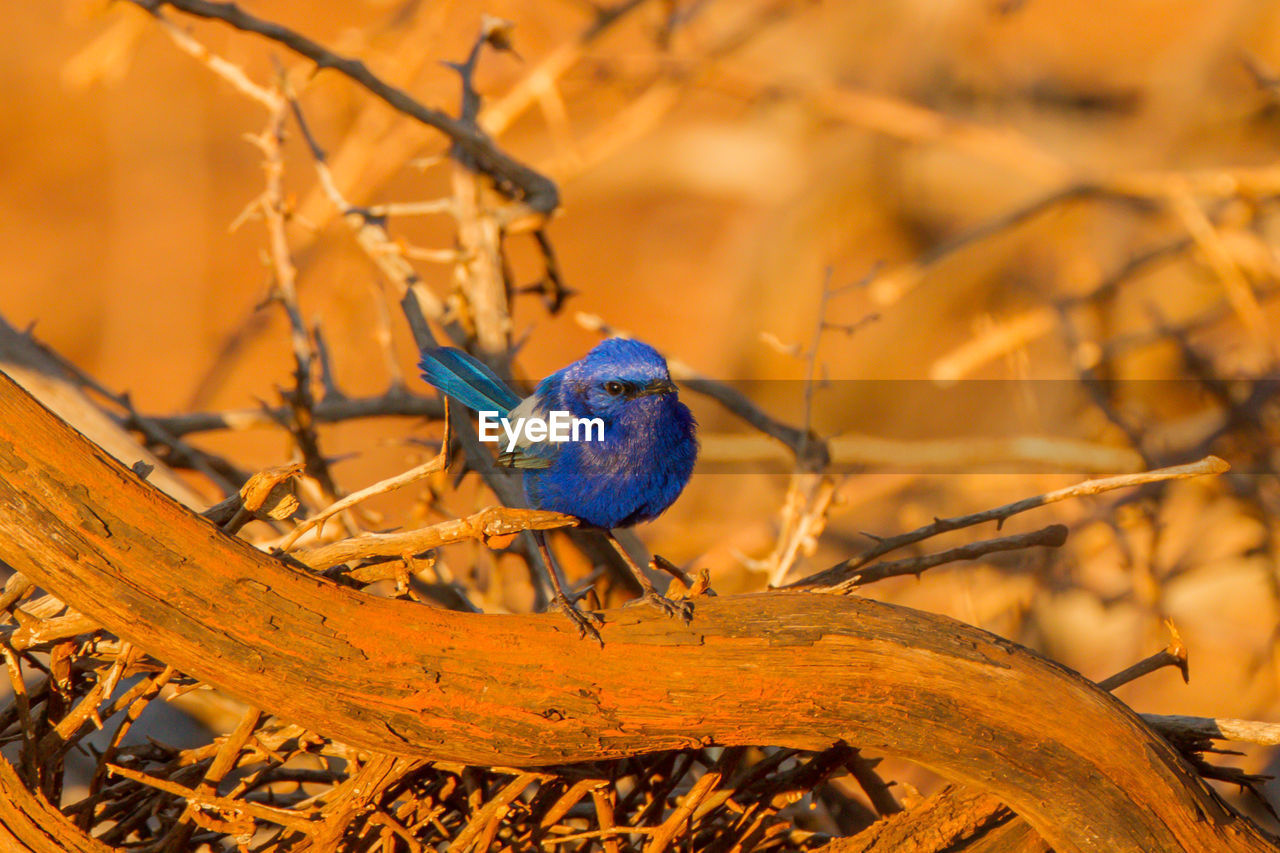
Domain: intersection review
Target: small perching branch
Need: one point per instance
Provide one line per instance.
(491, 523)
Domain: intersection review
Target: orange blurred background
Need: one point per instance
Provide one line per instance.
(714, 160)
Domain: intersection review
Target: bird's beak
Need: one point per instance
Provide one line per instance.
(657, 386)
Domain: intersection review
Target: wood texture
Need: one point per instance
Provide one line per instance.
(792, 669)
(29, 823)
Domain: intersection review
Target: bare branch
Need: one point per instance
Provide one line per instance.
(1207, 466)
(486, 524)
(537, 192)
(1052, 536)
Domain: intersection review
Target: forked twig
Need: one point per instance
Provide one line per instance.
(439, 462)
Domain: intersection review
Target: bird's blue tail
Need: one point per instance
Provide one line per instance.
(466, 380)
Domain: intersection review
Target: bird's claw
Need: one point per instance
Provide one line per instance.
(682, 609)
(585, 621)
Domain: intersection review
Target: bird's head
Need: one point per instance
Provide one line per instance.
(621, 376)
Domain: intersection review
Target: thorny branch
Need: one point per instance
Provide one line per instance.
(537, 192)
(842, 571)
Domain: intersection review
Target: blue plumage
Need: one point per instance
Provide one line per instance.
(649, 444)
(466, 380)
(631, 473)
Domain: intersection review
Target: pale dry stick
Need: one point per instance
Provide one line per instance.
(272, 206)
(811, 490)
(372, 237)
(1156, 185)
(1239, 293)
(1209, 465)
(603, 800)
(45, 607)
(1214, 728)
(433, 207)
(301, 401)
(284, 817)
(19, 689)
(38, 632)
(900, 119)
(434, 256)
(439, 462)
(485, 524)
(17, 587)
(225, 69)
(804, 517)
(1001, 339)
(480, 285)
(370, 234)
(378, 142)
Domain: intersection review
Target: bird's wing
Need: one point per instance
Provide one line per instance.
(466, 380)
(527, 453)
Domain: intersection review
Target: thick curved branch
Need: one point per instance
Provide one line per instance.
(791, 669)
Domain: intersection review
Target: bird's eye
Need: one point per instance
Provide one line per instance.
(614, 387)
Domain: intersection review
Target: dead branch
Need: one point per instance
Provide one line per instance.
(1177, 727)
(536, 191)
(1174, 654)
(1052, 536)
(396, 677)
(493, 522)
(839, 572)
(439, 462)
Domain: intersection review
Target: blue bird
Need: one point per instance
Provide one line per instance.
(632, 473)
